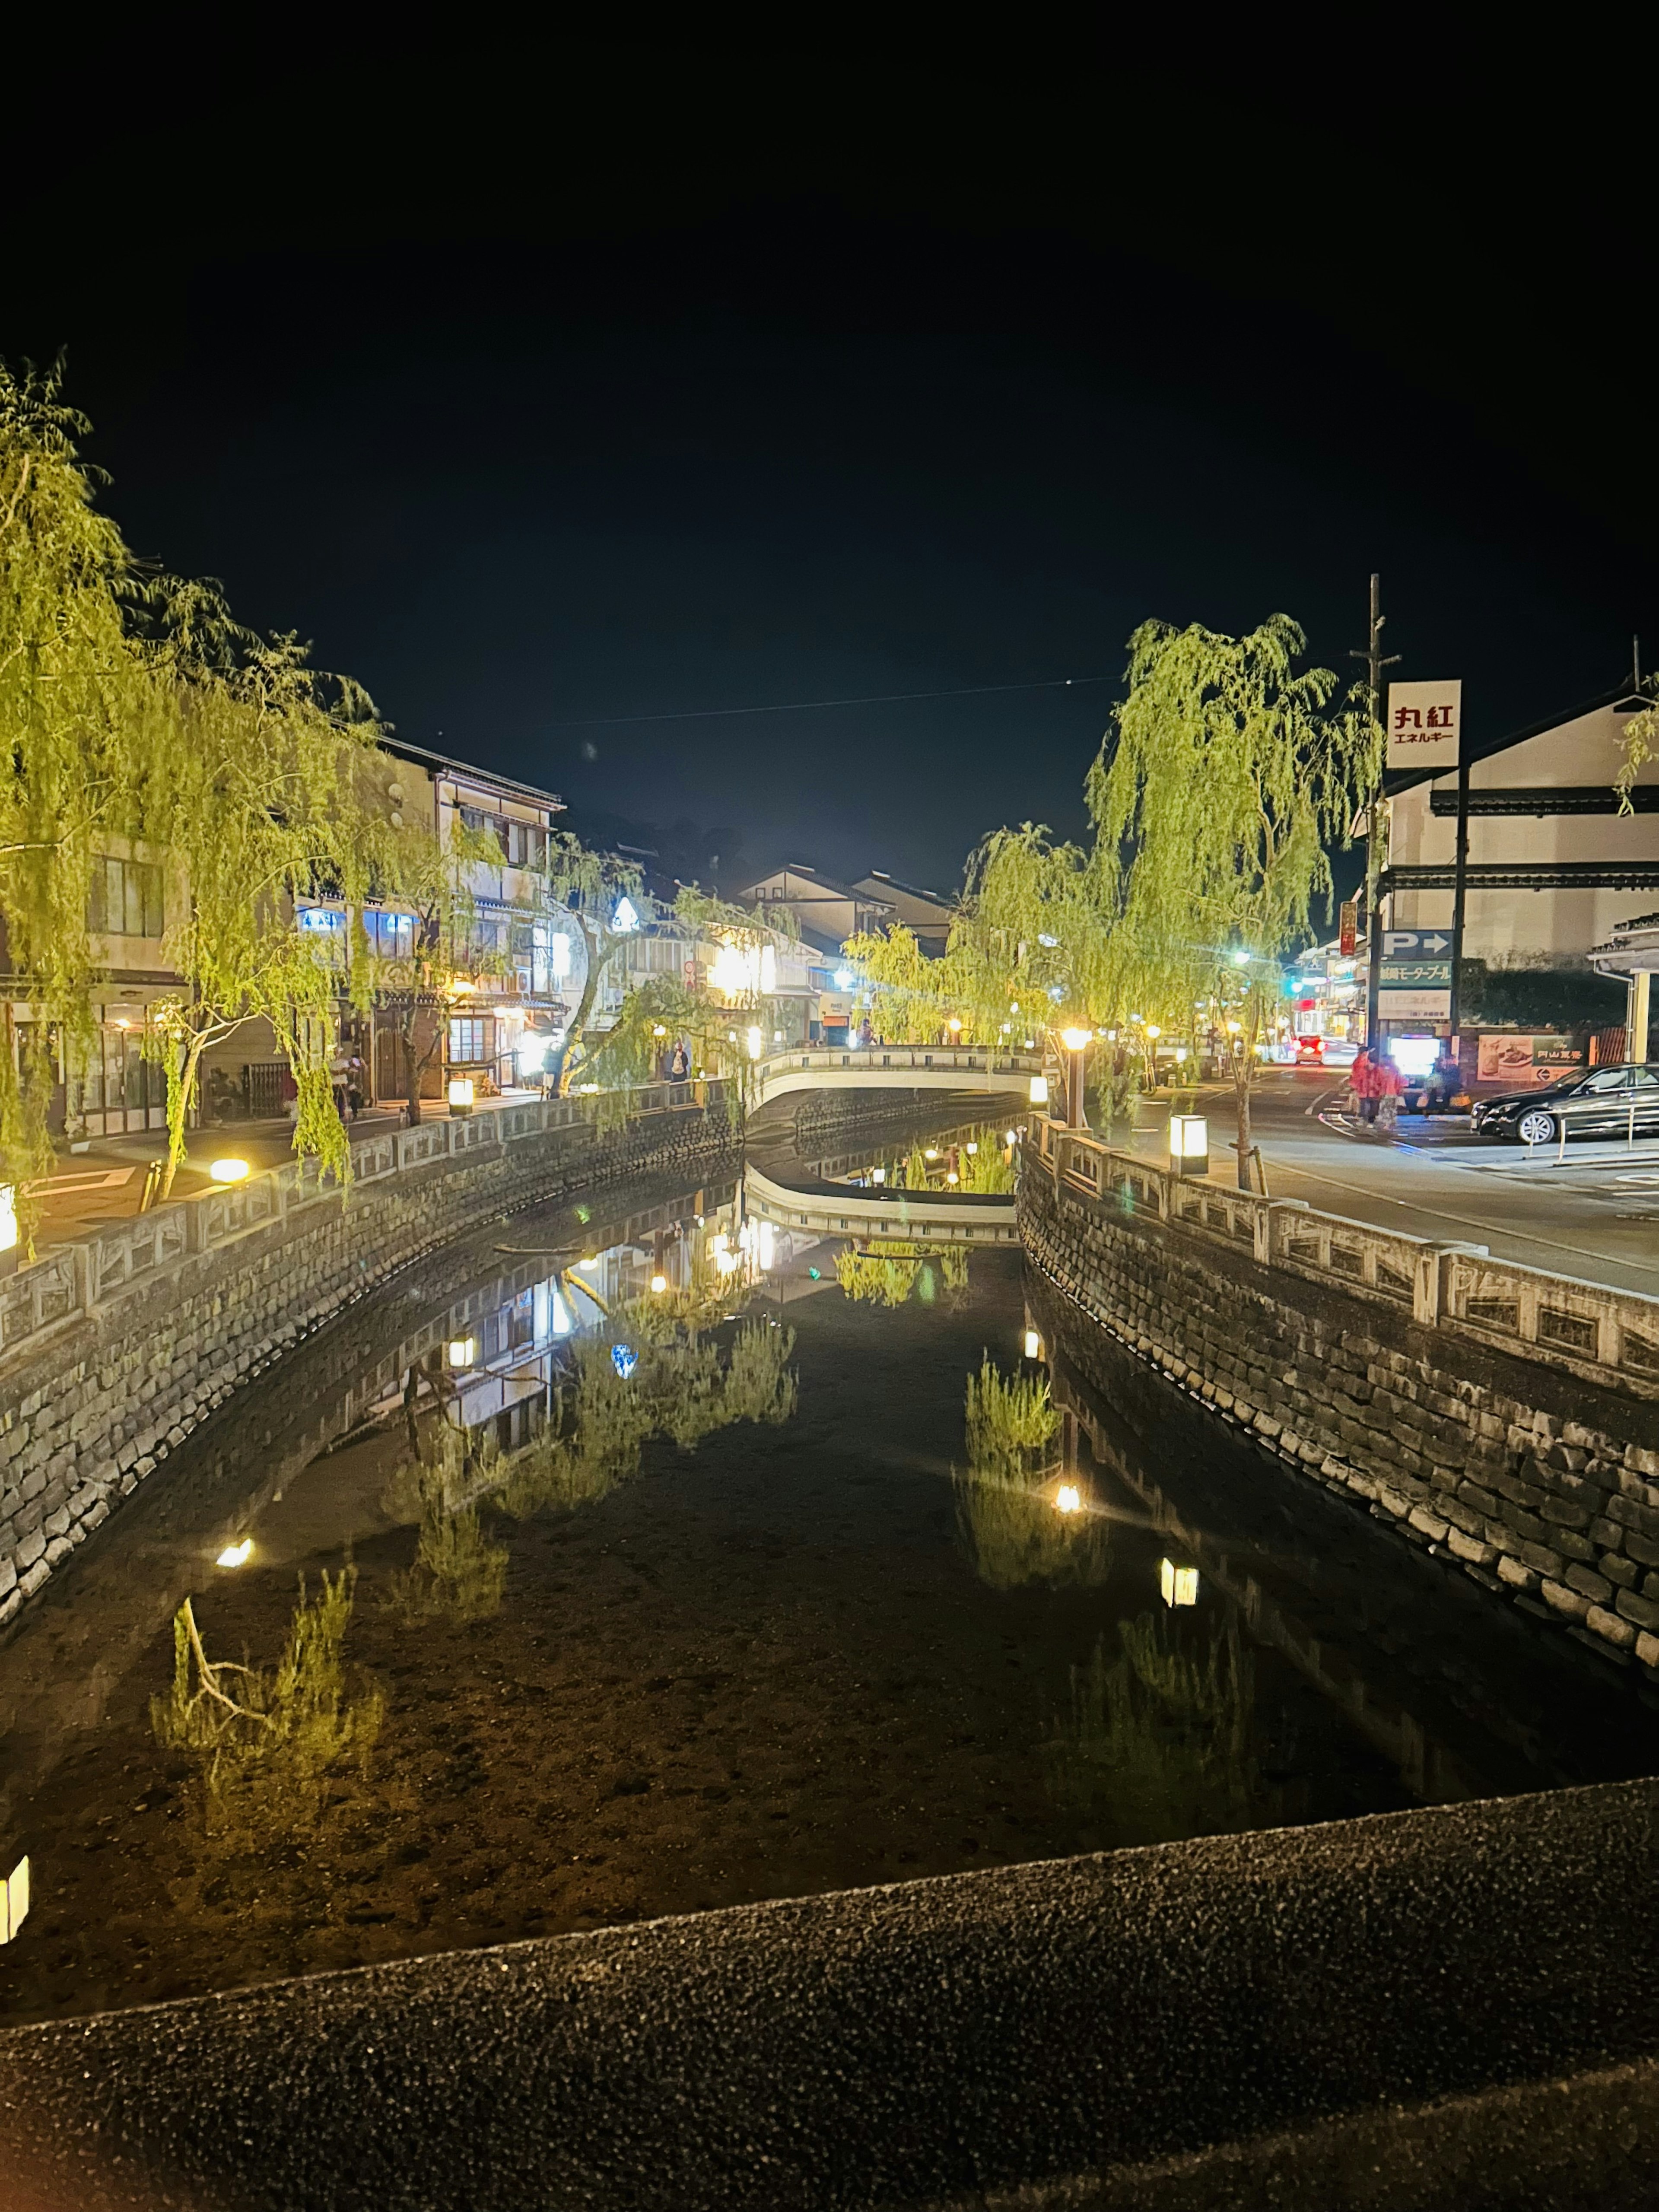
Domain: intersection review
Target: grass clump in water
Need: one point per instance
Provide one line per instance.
(457, 1574)
(268, 1742)
(1011, 1421)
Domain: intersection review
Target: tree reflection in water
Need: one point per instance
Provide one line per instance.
(457, 1574)
(1158, 1739)
(267, 1743)
(891, 1274)
(1005, 1499)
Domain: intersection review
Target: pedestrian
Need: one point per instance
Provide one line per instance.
(1359, 1086)
(1390, 1088)
(679, 1065)
(1448, 1079)
(866, 1035)
(356, 1084)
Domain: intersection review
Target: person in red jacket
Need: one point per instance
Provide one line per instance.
(1362, 1087)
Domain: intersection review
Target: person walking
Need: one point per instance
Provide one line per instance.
(1390, 1088)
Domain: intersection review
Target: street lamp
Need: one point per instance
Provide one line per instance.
(1076, 1042)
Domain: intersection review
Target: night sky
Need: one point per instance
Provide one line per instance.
(545, 433)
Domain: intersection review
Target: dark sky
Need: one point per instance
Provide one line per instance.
(658, 408)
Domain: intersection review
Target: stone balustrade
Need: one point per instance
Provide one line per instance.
(1609, 1335)
(115, 1347)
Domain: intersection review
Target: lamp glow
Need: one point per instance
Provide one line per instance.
(229, 1171)
(460, 1094)
(953, 1024)
(660, 1284)
(235, 1555)
(14, 1900)
(1075, 1040)
(1154, 1030)
(1068, 1498)
(1039, 1094)
(843, 979)
(756, 1043)
(970, 1150)
(1033, 1345)
(8, 1216)
(463, 1351)
(1179, 1585)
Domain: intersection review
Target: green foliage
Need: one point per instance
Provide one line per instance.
(1159, 1738)
(1640, 743)
(1014, 1534)
(457, 1574)
(267, 1742)
(1539, 998)
(1011, 1420)
(893, 1272)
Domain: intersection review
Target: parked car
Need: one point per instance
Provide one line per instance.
(1310, 1051)
(1606, 1103)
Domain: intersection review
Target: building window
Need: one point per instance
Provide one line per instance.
(471, 1040)
(125, 898)
(389, 935)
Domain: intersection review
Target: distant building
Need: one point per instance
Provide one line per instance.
(825, 912)
(1551, 863)
(924, 914)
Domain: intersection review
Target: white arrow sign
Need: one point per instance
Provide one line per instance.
(1396, 941)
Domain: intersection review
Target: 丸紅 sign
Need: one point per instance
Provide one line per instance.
(1426, 724)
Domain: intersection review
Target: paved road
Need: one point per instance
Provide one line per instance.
(1595, 1215)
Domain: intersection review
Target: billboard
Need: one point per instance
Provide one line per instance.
(1426, 724)
(1523, 1063)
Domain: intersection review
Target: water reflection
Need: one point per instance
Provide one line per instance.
(643, 1600)
(1157, 1740)
(266, 1742)
(1016, 1512)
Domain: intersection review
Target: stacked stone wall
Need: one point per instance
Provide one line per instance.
(1542, 1486)
(88, 1411)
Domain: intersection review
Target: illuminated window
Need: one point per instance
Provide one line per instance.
(471, 1040)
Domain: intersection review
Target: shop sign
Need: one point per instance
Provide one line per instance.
(1349, 925)
(1425, 722)
(1520, 1063)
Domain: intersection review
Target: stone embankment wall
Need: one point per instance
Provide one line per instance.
(1541, 1484)
(93, 1401)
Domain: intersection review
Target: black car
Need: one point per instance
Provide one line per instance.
(1608, 1102)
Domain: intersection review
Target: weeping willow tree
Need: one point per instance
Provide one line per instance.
(592, 887)
(87, 729)
(428, 877)
(261, 810)
(1214, 799)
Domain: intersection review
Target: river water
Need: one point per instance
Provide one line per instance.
(551, 1599)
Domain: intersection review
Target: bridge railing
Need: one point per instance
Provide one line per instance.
(1608, 1334)
(75, 1278)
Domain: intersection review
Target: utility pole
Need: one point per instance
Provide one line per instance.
(1376, 661)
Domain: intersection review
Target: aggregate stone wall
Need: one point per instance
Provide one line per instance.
(1542, 1486)
(91, 1409)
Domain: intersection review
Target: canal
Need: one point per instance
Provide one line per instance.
(639, 1557)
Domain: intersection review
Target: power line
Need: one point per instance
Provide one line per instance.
(806, 706)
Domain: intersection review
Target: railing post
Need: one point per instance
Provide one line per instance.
(1431, 1289)
(1265, 1240)
(86, 1275)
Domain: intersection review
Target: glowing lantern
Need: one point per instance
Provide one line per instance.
(229, 1171)
(1068, 1498)
(463, 1351)
(1178, 1584)
(460, 1094)
(235, 1555)
(1039, 1090)
(1033, 1345)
